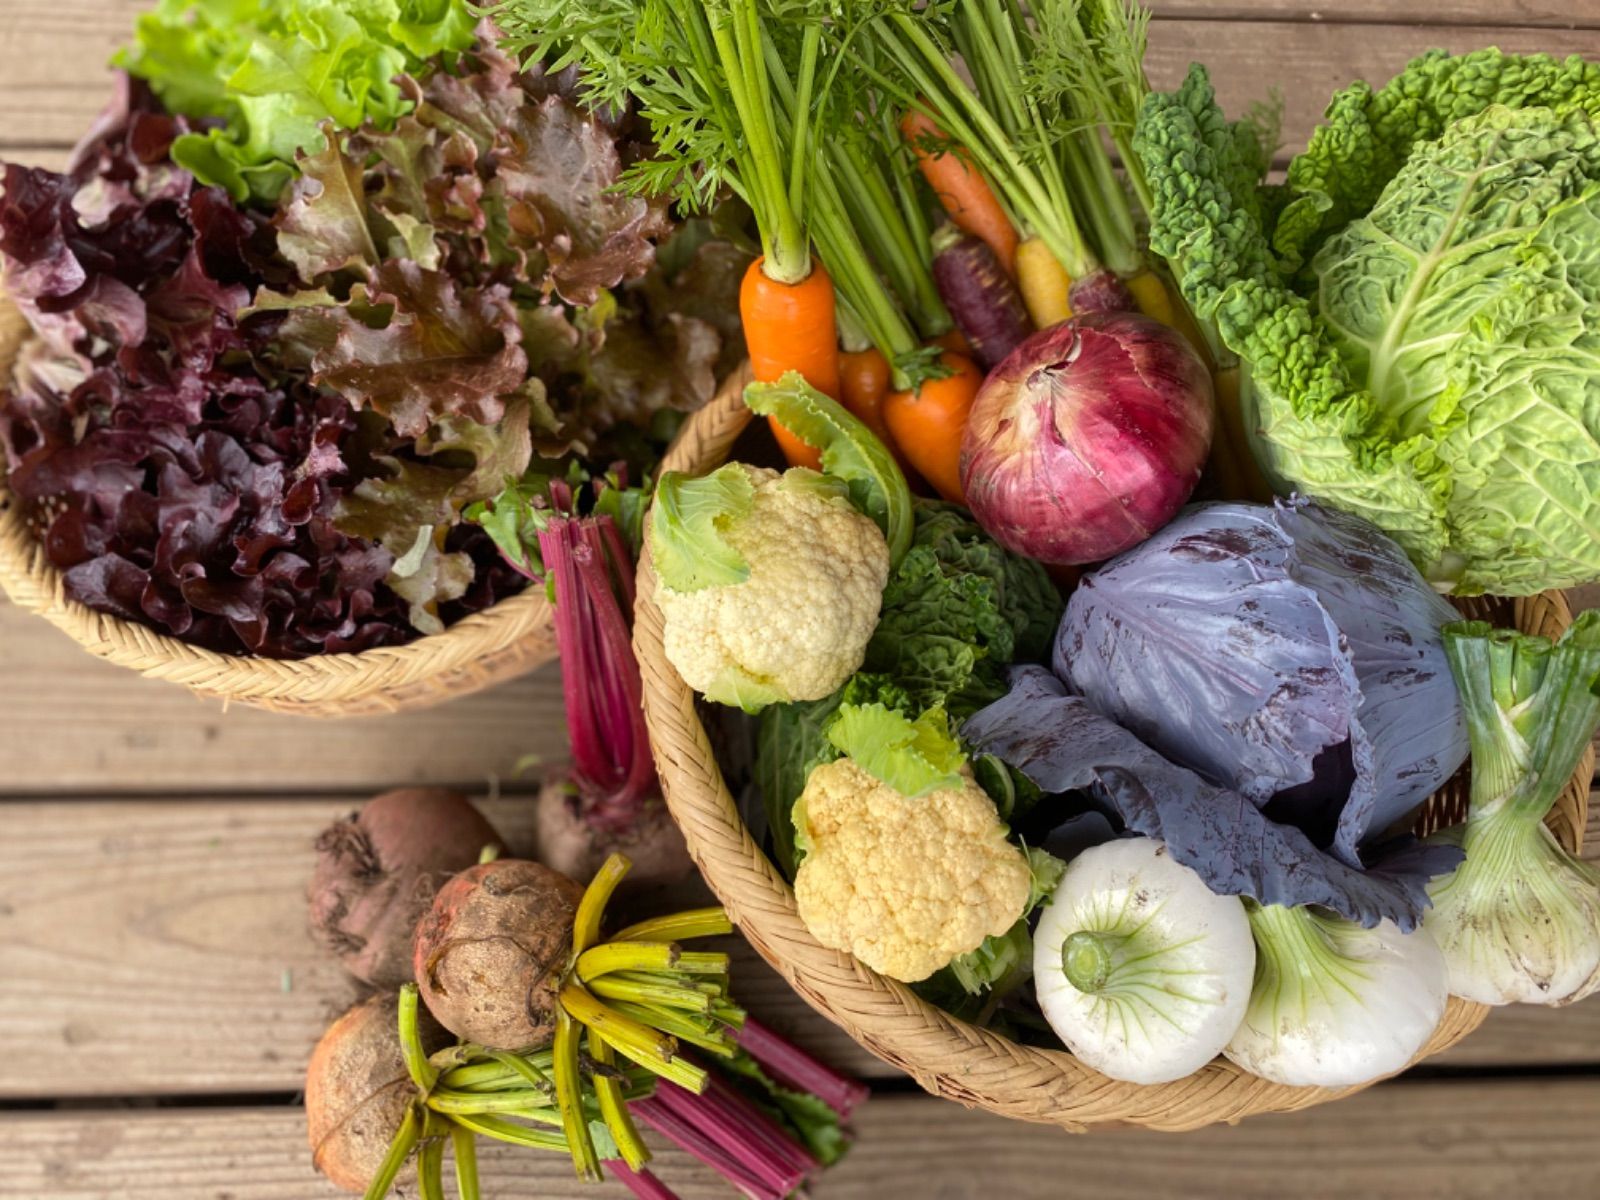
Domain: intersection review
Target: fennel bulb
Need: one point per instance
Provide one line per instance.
(1333, 1003)
(1519, 920)
(1140, 968)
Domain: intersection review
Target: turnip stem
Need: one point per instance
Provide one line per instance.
(423, 1073)
(464, 1149)
(614, 1108)
(679, 927)
(405, 1141)
(569, 1097)
(586, 925)
(1086, 959)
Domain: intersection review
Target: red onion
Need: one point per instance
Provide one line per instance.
(1088, 438)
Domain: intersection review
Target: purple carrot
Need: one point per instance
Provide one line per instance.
(981, 297)
(796, 1070)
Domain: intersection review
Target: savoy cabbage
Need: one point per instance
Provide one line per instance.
(1417, 311)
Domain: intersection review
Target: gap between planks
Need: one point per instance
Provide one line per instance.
(1426, 1141)
(151, 948)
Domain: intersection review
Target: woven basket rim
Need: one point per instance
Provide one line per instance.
(504, 641)
(946, 1056)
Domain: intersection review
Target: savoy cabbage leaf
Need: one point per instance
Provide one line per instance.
(1417, 323)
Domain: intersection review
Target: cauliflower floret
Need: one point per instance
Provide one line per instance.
(798, 626)
(904, 884)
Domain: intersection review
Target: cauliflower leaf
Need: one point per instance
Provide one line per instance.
(850, 451)
(688, 531)
(912, 757)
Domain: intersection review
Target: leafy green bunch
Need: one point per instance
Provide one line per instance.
(273, 71)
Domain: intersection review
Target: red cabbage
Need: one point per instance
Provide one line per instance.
(1063, 745)
(1291, 654)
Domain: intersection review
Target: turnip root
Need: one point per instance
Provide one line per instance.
(377, 872)
(357, 1090)
(572, 842)
(490, 952)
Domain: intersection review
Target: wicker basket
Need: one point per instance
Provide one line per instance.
(486, 648)
(946, 1056)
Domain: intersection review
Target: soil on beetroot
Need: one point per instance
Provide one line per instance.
(490, 951)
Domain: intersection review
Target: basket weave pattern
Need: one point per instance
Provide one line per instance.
(946, 1056)
(486, 648)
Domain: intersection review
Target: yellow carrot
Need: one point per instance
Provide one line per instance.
(1044, 284)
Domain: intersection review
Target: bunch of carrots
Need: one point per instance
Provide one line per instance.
(956, 213)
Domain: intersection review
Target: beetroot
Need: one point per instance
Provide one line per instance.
(610, 801)
(357, 1090)
(490, 952)
(377, 872)
(575, 847)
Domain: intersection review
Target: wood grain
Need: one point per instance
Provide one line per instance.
(1272, 43)
(1478, 1141)
(74, 723)
(159, 947)
(152, 947)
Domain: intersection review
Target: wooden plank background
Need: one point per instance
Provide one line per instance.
(159, 992)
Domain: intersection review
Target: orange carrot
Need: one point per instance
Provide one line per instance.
(866, 382)
(927, 423)
(790, 327)
(962, 190)
(954, 341)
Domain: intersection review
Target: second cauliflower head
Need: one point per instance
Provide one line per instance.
(905, 884)
(793, 624)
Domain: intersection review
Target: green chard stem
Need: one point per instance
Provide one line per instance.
(423, 1073)
(679, 927)
(464, 1150)
(405, 1141)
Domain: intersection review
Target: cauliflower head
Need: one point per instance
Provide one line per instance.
(905, 884)
(803, 572)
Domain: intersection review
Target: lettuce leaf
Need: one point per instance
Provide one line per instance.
(913, 757)
(274, 71)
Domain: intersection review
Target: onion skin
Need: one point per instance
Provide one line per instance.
(1088, 438)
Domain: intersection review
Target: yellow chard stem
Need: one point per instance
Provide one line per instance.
(586, 925)
(614, 1107)
(621, 955)
(569, 1098)
(679, 927)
